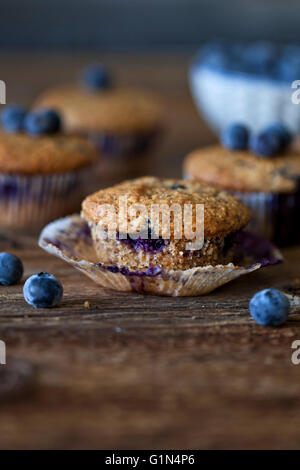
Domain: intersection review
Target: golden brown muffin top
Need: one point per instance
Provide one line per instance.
(243, 171)
(120, 111)
(21, 153)
(223, 213)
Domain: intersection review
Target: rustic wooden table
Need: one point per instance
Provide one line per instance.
(136, 371)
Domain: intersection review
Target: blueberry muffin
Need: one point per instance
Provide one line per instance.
(142, 242)
(43, 173)
(122, 123)
(269, 186)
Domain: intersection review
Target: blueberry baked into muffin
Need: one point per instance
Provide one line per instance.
(263, 170)
(43, 173)
(122, 122)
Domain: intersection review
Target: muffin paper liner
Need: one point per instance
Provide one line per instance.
(224, 98)
(33, 200)
(127, 145)
(70, 239)
(123, 157)
(274, 216)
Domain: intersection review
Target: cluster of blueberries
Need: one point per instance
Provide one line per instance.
(15, 118)
(41, 290)
(260, 58)
(268, 307)
(271, 141)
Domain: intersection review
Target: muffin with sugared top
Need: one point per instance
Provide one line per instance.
(156, 232)
(122, 122)
(263, 170)
(160, 236)
(43, 173)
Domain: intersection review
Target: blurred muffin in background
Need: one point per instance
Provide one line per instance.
(43, 173)
(122, 123)
(263, 170)
(246, 82)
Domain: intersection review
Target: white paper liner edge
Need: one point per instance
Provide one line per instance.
(79, 252)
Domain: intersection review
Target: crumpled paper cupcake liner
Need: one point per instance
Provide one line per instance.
(70, 239)
(33, 200)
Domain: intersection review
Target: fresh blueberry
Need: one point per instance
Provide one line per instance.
(280, 130)
(217, 61)
(235, 137)
(237, 50)
(177, 186)
(213, 47)
(259, 57)
(265, 144)
(42, 121)
(12, 118)
(290, 51)
(288, 67)
(42, 290)
(95, 77)
(214, 55)
(269, 307)
(11, 269)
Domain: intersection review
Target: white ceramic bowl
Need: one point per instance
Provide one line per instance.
(227, 97)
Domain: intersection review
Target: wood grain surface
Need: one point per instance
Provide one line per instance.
(128, 371)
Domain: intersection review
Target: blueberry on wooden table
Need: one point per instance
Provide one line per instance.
(42, 290)
(269, 307)
(11, 269)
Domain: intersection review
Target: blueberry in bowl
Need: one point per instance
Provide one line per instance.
(235, 137)
(248, 82)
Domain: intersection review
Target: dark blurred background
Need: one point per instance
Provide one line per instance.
(144, 43)
(143, 24)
